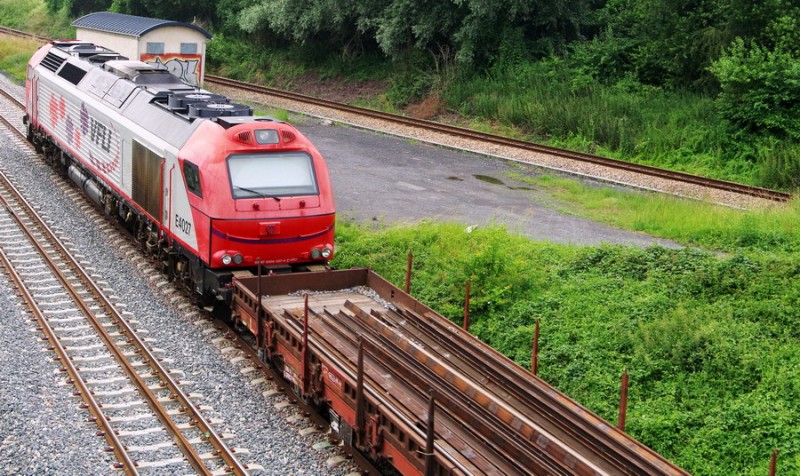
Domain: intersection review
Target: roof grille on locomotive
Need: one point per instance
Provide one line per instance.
(169, 92)
(103, 57)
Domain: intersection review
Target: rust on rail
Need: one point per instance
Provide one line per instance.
(381, 354)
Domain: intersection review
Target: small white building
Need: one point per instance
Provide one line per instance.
(181, 47)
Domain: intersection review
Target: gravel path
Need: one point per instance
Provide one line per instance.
(56, 440)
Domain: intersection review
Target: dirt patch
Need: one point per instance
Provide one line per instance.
(428, 109)
(337, 89)
(348, 92)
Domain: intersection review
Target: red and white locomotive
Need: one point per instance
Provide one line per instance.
(200, 182)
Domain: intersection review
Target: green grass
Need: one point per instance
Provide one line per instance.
(676, 130)
(710, 340)
(246, 61)
(32, 16)
(274, 112)
(14, 56)
(773, 229)
(709, 337)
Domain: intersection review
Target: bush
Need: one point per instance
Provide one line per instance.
(759, 89)
(779, 164)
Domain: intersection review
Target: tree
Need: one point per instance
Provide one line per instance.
(472, 29)
(76, 8)
(674, 42)
(177, 10)
(760, 89)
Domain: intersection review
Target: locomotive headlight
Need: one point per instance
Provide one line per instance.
(325, 252)
(226, 259)
(238, 259)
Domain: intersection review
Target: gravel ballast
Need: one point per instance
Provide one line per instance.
(57, 440)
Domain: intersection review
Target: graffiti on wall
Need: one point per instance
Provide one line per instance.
(186, 67)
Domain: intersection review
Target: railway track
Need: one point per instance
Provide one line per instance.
(463, 133)
(232, 345)
(117, 372)
(493, 139)
(22, 34)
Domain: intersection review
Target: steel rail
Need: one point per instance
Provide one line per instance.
(114, 444)
(22, 34)
(509, 142)
(411, 346)
(119, 356)
(214, 438)
(517, 429)
(417, 365)
(519, 386)
(386, 401)
(400, 362)
(743, 189)
(12, 128)
(269, 372)
(11, 98)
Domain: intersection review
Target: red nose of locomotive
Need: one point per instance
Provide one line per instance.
(269, 197)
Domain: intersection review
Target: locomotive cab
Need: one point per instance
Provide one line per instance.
(263, 192)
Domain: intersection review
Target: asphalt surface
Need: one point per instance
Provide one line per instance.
(385, 179)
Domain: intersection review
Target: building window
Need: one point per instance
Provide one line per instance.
(155, 48)
(188, 48)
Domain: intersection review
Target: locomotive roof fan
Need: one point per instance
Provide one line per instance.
(181, 101)
(214, 109)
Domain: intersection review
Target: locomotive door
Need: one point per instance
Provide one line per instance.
(32, 97)
(178, 212)
(147, 168)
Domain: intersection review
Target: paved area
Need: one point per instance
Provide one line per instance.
(387, 179)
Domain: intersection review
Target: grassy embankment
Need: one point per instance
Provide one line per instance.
(670, 129)
(710, 339)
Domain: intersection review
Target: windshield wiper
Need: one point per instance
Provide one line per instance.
(257, 194)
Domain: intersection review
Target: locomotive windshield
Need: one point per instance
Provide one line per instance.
(272, 175)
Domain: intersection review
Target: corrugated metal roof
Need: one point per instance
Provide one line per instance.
(129, 25)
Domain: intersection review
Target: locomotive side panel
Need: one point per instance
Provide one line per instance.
(186, 226)
(80, 128)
